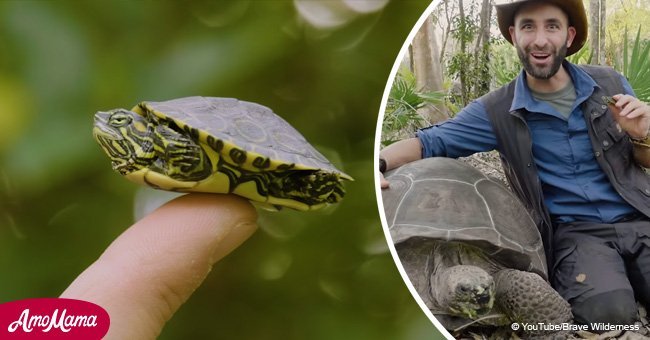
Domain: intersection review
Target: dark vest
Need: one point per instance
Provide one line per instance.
(611, 147)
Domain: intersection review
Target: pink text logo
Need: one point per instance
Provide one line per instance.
(52, 318)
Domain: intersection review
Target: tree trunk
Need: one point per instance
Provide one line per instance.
(463, 50)
(481, 57)
(597, 31)
(446, 30)
(426, 65)
(594, 30)
(602, 60)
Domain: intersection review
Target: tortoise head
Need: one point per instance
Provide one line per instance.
(465, 290)
(126, 137)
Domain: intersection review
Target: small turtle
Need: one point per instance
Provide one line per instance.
(468, 246)
(608, 100)
(218, 145)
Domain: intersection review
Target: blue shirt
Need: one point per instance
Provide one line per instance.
(574, 186)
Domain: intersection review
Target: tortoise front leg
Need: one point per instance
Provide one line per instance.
(527, 298)
(180, 157)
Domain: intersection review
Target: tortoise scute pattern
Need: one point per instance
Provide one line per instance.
(468, 246)
(457, 190)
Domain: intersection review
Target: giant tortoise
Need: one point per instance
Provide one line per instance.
(468, 246)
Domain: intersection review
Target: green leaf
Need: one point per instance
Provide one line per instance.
(636, 66)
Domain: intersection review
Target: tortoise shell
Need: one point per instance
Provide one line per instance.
(447, 200)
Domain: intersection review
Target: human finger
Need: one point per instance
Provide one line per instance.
(630, 106)
(150, 270)
(383, 181)
(622, 99)
(623, 104)
(640, 110)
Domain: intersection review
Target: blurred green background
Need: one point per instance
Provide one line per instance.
(320, 65)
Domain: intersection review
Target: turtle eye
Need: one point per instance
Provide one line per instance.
(119, 120)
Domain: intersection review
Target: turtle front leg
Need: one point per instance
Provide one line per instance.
(180, 157)
(527, 298)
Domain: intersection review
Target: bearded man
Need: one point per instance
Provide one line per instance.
(573, 160)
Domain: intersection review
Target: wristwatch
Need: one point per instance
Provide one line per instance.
(382, 165)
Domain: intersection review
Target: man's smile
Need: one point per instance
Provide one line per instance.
(541, 57)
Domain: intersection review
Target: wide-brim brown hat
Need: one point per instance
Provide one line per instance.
(574, 9)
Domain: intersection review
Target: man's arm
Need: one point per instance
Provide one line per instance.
(400, 153)
(468, 132)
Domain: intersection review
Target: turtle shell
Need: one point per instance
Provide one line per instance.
(251, 135)
(447, 200)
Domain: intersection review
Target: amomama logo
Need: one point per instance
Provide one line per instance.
(52, 318)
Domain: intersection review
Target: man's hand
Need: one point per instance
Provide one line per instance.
(382, 180)
(150, 270)
(632, 115)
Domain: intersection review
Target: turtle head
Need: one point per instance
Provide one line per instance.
(126, 137)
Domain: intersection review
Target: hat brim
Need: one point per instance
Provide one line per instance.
(573, 8)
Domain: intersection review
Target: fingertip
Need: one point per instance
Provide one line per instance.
(619, 100)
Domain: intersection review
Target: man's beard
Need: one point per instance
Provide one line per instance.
(545, 72)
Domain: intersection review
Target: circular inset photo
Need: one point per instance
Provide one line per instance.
(511, 168)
